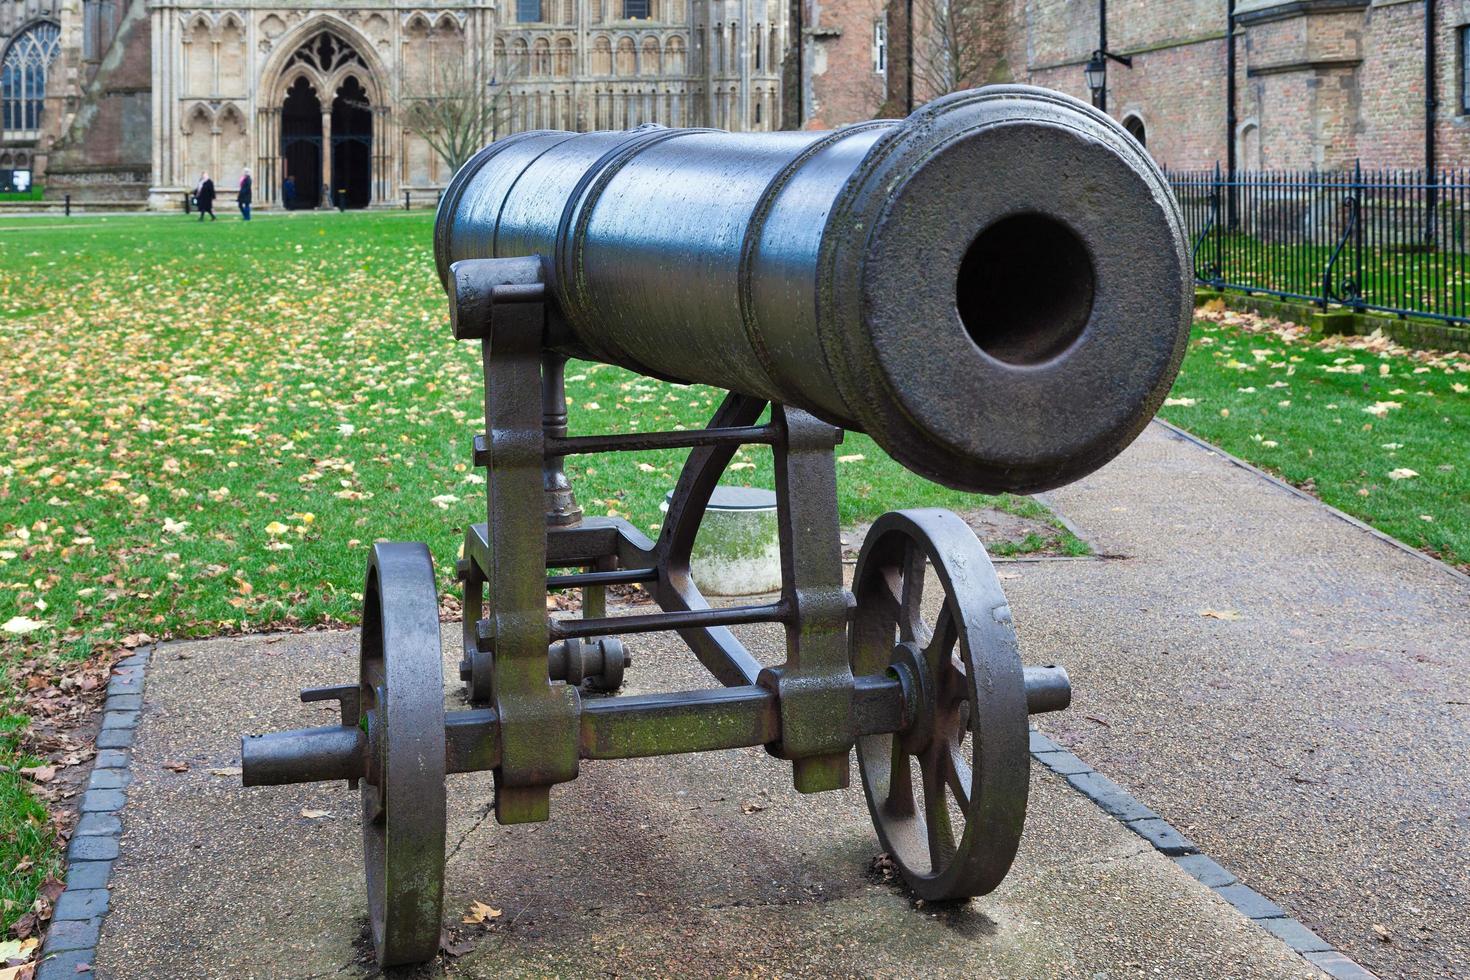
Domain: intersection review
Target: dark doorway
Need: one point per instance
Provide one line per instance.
(1134, 125)
(352, 146)
(301, 147)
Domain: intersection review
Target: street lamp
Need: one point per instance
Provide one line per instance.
(1096, 73)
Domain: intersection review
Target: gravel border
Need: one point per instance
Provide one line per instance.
(1259, 909)
(76, 923)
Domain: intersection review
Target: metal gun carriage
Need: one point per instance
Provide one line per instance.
(995, 289)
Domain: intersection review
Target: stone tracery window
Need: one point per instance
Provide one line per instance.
(23, 76)
(327, 52)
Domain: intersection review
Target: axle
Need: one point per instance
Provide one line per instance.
(614, 728)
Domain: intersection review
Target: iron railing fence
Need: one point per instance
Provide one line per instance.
(1390, 241)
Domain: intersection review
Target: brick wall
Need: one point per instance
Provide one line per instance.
(843, 84)
(1321, 84)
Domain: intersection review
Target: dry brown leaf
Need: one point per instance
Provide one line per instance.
(1226, 614)
(176, 766)
(311, 814)
(480, 913)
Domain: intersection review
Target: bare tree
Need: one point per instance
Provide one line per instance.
(950, 50)
(456, 112)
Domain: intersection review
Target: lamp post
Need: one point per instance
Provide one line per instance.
(1096, 73)
(1097, 67)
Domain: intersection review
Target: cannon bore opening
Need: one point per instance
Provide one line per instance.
(1025, 288)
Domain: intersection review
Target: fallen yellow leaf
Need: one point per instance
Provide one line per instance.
(480, 913)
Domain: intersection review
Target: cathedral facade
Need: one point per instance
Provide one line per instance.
(128, 101)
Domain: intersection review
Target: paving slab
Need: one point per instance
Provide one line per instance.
(690, 866)
(1317, 745)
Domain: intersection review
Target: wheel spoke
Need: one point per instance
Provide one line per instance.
(911, 625)
(900, 802)
(942, 639)
(960, 778)
(933, 768)
(885, 599)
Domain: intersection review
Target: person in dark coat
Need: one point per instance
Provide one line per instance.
(204, 195)
(288, 192)
(244, 197)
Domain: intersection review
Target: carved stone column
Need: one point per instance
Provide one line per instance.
(328, 189)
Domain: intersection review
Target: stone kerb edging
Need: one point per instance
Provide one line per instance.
(1260, 910)
(76, 923)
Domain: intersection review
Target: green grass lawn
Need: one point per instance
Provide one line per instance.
(205, 427)
(1379, 432)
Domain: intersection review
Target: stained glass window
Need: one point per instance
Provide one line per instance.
(23, 76)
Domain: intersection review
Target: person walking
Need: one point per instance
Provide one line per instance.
(204, 196)
(244, 197)
(288, 192)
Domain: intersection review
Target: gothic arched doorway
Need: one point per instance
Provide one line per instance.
(330, 101)
(301, 146)
(352, 146)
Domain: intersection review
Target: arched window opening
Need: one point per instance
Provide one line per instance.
(1136, 129)
(627, 57)
(23, 76)
(1249, 148)
(674, 56)
(541, 57)
(649, 60)
(601, 56)
(563, 57)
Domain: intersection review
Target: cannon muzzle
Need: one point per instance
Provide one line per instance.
(996, 289)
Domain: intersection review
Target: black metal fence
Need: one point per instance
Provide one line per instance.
(1391, 241)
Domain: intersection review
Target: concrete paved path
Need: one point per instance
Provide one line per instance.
(1318, 745)
(648, 868)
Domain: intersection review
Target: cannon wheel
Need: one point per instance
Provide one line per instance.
(403, 793)
(948, 793)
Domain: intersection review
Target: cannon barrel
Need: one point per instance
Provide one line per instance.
(996, 289)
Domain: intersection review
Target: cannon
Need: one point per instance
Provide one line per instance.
(995, 289)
